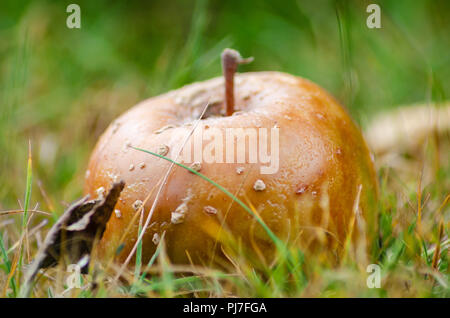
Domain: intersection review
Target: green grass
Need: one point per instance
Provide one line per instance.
(60, 88)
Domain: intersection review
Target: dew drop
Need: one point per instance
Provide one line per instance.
(156, 238)
(210, 210)
(162, 150)
(259, 185)
(196, 166)
(240, 170)
(137, 205)
(100, 193)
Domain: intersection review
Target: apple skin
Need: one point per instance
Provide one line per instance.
(323, 161)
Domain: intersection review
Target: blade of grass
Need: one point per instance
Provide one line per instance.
(11, 273)
(28, 188)
(269, 232)
(153, 258)
(155, 201)
(7, 263)
(25, 208)
(437, 252)
(138, 265)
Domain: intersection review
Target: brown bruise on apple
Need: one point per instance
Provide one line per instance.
(323, 161)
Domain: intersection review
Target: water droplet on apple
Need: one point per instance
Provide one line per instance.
(240, 170)
(210, 210)
(259, 185)
(162, 150)
(137, 205)
(156, 238)
(100, 193)
(196, 166)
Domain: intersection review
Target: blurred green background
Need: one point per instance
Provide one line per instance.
(61, 87)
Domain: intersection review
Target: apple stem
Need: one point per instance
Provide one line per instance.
(230, 61)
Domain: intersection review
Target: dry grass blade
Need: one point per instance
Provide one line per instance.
(12, 212)
(437, 252)
(152, 209)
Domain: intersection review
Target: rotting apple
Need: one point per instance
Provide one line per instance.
(325, 179)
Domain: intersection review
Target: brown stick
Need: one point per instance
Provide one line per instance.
(230, 61)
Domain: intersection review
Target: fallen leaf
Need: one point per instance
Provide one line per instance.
(72, 237)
